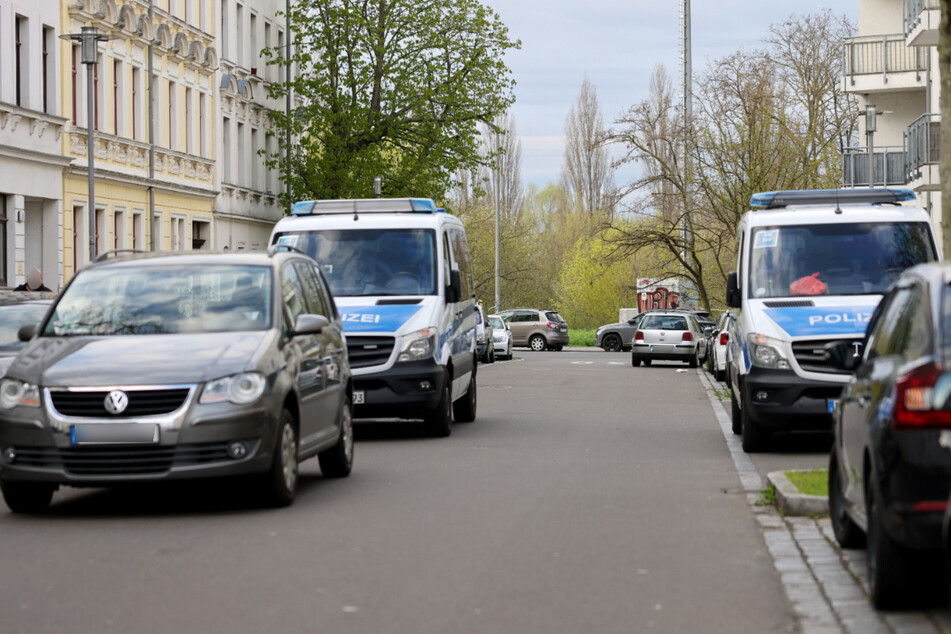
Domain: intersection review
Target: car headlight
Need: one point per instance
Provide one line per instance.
(766, 352)
(14, 393)
(418, 345)
(240, 389)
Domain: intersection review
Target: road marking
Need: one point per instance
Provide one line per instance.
(582, 363)
(616, 363)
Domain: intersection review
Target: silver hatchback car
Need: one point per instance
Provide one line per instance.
(673, 336)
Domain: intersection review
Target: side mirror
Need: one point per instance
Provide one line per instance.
(733, 295)
(28, 332)
(310, 325)
(454, 289)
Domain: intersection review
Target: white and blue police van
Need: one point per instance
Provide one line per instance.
(400, 273)
(812, 266)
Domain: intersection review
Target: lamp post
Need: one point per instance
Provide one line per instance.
(89, 40)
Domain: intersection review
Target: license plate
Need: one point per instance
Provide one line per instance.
(832, 405)
(114, 434)
(359, 398)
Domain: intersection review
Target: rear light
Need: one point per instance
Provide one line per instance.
(552, 325)
(639, 336)
(688, 336)
(930, 506)
(915, 405)
(724, 338)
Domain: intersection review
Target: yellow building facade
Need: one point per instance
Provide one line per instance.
(152, 191)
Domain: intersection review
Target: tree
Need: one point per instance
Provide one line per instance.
(395, 88)
(587, 175)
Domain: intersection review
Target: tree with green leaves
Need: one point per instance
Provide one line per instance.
(390, 88)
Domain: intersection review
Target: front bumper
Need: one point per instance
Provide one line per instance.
(42, 454)
(782, 400)
(399, 392)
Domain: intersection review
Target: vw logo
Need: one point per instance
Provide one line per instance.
(116, 402)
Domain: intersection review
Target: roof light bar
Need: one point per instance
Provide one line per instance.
(781, 199)
(364, 206)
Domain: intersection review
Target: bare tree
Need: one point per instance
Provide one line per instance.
(502, 171)
(587, 175)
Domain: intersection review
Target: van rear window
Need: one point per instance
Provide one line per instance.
(664, 322)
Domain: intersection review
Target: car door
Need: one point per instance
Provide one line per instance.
(520, 327)
(306, 353)
(862, 399)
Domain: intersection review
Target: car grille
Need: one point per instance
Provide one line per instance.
(369, 351)
(141, 402)
(107, 461)
(794, 303)
(827, 356)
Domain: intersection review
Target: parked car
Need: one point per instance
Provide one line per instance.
(172, 367)
(17, 309)
(485, 348)
(890, 464)
(717, 346)
(536, 329)
(501, 337)
(619, 336)
(668, 336)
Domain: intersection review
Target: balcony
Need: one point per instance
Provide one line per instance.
(888, 167)
(923, 141)
(882, 63)
(921, 20)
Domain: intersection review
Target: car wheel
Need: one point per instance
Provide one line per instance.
(694, 361)
(337, 462)
(635, 361)
(718, 375)
(27, 497)
(438, 423)
(889, 574)
(647, 362)
(611, 343)
(537, 343)
(508, 355)
(464, 410)
(737, 415)
(492, 354)
(755, 438)
(847, 533)
(279, 485)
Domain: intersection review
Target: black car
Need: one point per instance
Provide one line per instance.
(890, 465)
(171, 367)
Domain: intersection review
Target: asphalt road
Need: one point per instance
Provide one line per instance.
(589, 496)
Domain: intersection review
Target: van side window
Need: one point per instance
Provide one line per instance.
(883, 340)
(460, 249)
(293, 293)
(446, 263)
(739, 263)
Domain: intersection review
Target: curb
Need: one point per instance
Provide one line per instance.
(792, 502)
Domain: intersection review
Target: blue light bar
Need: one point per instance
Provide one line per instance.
(781, 199)
(364, 206)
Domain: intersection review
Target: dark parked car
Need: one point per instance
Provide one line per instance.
(171, 367)
(890, 465)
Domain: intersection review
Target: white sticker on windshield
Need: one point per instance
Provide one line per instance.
(288, 240)
(766, 239)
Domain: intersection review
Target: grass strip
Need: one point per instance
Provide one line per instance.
(815, 482)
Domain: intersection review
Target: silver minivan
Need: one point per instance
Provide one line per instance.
(667, 336)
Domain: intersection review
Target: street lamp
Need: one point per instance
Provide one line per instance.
(89, 40)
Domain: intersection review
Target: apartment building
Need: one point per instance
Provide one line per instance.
(31, 131)
(892, 64)
(247, 207)
(155, 168)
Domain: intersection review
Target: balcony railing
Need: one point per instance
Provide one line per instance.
(888, 167)
(913, 10)
(881, 54)
(923, 140)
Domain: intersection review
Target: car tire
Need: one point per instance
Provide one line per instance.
(889, 571)
(438, 423)
(635, 361)
(718, 375)
(464, 410)
(847, 532)
(27, 497)
(537, 343)
(611, 343)
(694, 361)
(508, 355)
(492, 354)
(279, 484)
(337, 462)
(737, 416)
(647, 362)
(755, 438)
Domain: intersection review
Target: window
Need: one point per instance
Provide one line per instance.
(271, 143)
(49, 75)
(79, 218)
(316, 303)
(118, 229)
(189, 124)
(3, 240)
(225, 35)
(156, 97)
(177, 234)
(172, 116)
(158, 236)
(293, 294)
(117, 114)
(278, 70)
(241, 177)
(96, 89)
(136, 101)
(255, 160)
(75, 74)
(202, 132)
(882, 335)
(226, 145)
(21, 55)
(239, 35)
(138, 232)
(201, 230)
(460, 249)
(100, 231)
(268, 70)
(255, 53)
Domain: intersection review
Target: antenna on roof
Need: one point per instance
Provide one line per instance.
(838, 209)
(355, 216)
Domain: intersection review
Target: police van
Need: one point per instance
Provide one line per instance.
(400, 273)
(811, 268)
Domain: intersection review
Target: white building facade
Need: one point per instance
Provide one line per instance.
(892, 64)
(31, 129)
(247, 206)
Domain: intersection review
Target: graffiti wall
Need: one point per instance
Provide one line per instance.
(653, 294)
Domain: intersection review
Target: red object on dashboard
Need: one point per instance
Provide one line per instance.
(809, 285)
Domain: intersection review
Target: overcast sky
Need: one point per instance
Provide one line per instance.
(618, 43)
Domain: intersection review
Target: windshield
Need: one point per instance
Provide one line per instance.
(834, 259)
(360, 262)
(664, 322)
(164, 300)
(496, 322)
(14, 317)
